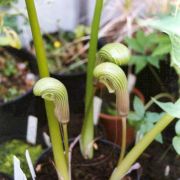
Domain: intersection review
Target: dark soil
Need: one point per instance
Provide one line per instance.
(154, 161)
(100, 168)
(157, 160)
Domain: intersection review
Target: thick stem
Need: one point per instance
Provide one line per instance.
(57, 144)
(123, 144)
(37, 38)
(66, 144)
(56, 140)
(87, 133)
(138, 149)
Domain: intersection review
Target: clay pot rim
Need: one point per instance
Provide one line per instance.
(117, 118)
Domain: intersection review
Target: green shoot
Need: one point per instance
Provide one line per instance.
(115, 80)
(57, 146)
(51, 89)
(87, 133)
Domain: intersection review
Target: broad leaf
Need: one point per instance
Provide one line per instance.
(153, 117)
(141, 39)
(170, 25)
(159, 138)
(134, 45)
(170, 108)
(134, 117)
(176, 144)
(162, 49)
(154, 61)
(139, 61)
(177, 127)
(146, 127)
(138, 106)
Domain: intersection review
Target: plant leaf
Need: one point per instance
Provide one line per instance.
(139, 61)
(176, 144)
(146, 127)
(167, 24)
(170, 25)
(134, 117)
(170, 108)
(154, 60)
(141, 38)
(177, 127)
(159, 138)
(134, 45)
(162, 49)
(152, 116)
(138, 107)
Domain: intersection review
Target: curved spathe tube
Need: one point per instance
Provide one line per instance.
(116, 53)
(53, 90)
(115, 80)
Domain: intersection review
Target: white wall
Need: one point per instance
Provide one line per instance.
(52, 14)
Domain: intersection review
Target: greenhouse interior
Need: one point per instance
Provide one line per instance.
(89, 90)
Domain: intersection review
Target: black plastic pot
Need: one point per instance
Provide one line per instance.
(149, 85)
(96, 163)
(48, 155)
(14, 114)
(4, 176)
(75, 84)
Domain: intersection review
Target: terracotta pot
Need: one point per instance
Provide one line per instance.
(113, 125)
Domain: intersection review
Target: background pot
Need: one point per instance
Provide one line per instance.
(4, 176)
(14, 113)
(113, 125)
(153, 81)
(112, 152)
(100, 167)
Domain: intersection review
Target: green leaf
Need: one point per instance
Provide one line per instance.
(162, 49)
(133, 44)
(134, 117)
(170, 108)
(177, 127)
(141, 39)
(169, 24)
(154, 61)
(176, 144)
(153, 117)
(140, 62)
(146, 127)
(138, 107)
(159, 138)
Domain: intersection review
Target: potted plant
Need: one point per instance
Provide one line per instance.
(151, 63)
(110, 120)
(17, 147)
(67, 59)
(5, 176)
(115, 80)
(18, 74)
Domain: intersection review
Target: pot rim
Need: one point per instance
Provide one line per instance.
(135, 91)
(12, 50)
(49, 149)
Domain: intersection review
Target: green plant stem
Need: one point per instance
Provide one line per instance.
(139, 148)
(87, 133)
(123, 144)
(66, 144)
(57, 145)
(158, 96)
(54, 130)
